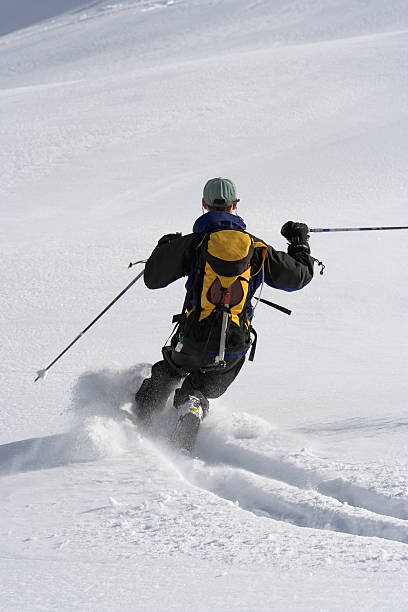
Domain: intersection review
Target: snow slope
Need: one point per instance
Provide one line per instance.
(17, 15)
(113, 116)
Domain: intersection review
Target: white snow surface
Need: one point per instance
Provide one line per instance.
(113, 115)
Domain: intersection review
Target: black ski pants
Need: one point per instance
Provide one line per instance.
(181, 373)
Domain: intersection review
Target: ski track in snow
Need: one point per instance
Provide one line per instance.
(286, 471)
(239, 458)
(322, 506)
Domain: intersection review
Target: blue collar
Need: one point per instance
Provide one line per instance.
(218, 219)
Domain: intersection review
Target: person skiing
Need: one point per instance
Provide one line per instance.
(224, 266)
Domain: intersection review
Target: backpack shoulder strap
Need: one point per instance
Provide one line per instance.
(261, 247)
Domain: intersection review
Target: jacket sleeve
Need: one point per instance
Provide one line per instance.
(284, 271)
(288, 272)
(169, 261)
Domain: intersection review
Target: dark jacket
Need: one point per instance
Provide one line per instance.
(175, 257)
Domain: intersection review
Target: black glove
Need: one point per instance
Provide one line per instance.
(168, 238)
(297, 234)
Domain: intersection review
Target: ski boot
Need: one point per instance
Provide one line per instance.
(190, 417)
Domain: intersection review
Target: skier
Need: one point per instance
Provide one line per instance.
(225, 266)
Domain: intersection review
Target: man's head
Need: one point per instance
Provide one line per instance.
(220, 194)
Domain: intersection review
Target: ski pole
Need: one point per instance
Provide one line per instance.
(273, 305)
(355, 229)
(43, 373)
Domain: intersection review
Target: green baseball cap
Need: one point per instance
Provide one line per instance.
(219, 192)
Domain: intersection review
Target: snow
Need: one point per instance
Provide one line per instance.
(114, 114)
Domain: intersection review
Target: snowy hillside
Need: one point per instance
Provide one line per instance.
(113, 115)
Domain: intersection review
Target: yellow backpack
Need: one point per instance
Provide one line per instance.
(217, 321)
